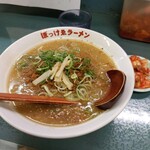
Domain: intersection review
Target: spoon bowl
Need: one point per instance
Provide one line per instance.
(117, 79)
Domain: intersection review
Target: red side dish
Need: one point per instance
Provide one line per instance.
(142, 71)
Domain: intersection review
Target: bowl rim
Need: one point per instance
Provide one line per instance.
(80, 129)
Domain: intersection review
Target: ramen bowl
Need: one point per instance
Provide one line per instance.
(21, 46)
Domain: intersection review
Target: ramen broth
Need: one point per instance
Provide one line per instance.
(20, 81)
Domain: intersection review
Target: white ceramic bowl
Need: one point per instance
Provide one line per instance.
(9, 56)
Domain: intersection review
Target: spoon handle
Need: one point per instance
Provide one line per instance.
(34, 99)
